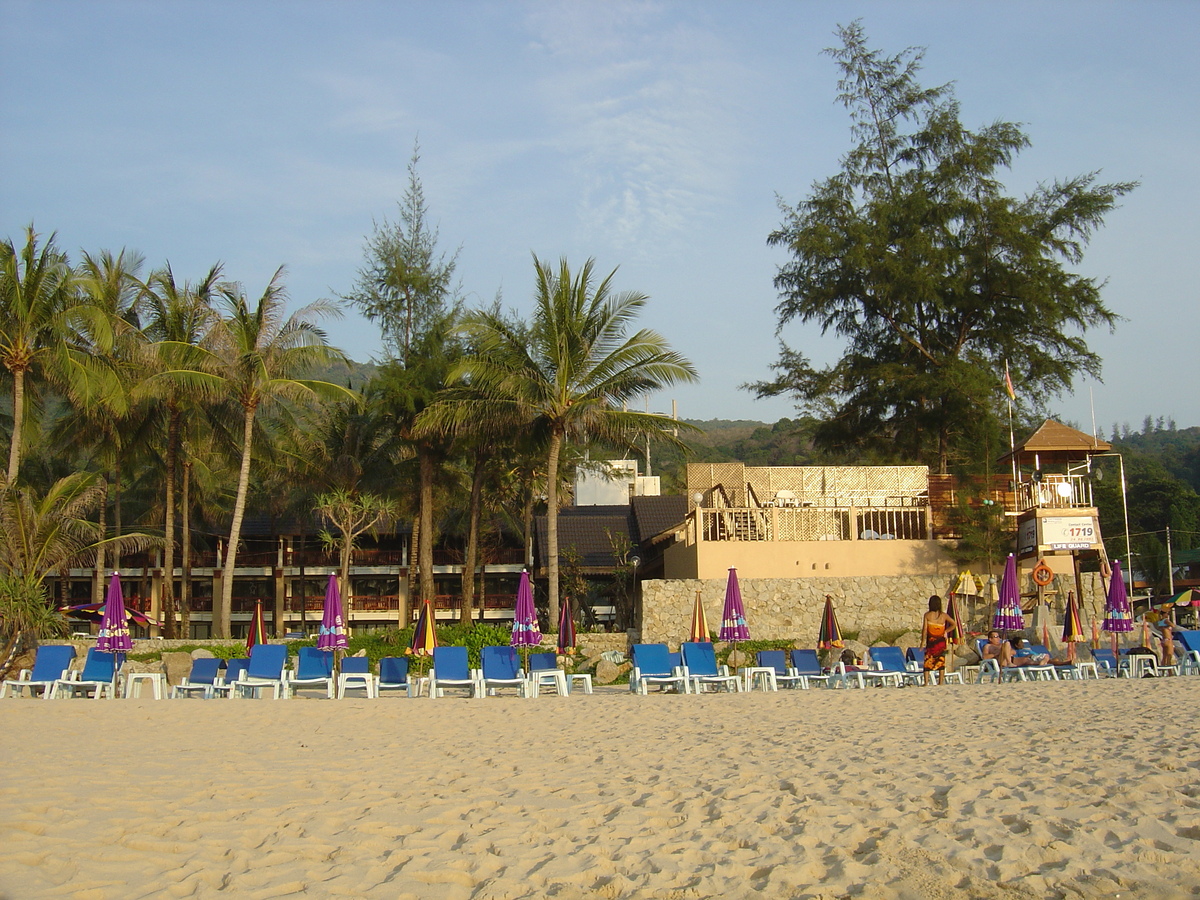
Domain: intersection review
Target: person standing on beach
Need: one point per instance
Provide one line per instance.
(936, 627)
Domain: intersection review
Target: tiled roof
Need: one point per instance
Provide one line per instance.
(1054, 437)
(654, 515)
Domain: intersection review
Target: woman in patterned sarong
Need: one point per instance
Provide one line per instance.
(935, 631)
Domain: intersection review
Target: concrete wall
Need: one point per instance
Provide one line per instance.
(790, 608)
(808, 559)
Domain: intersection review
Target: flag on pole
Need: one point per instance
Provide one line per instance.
(1008, 385)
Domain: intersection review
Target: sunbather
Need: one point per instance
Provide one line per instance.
(1022, 655)
(998, 649)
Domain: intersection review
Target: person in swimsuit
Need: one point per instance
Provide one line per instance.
(936, 627)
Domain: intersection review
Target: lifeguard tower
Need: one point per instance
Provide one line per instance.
(1057, 521)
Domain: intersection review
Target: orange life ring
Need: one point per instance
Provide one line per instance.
(1105, 568)
(1042, 574)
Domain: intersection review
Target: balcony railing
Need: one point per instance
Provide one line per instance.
(813, 523)
(1055, 492)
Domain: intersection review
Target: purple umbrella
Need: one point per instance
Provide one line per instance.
(333, 627)
(525, 624)
(114, 624)
(733, 616)
(1008, 615)
(1118, 614)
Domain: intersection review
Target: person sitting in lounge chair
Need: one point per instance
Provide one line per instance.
(1022, 655)
(998, 649)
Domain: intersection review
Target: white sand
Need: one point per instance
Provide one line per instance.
(1032, 790)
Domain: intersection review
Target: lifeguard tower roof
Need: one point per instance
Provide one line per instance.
(1054, 440)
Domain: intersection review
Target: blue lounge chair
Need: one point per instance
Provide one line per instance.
(51, 663)
(234, 670)
(500, 668)
(393, 676)
(652, 664)
(200, 680)
(700, 666)
(265, 670)
(1108, 663)
(451, 669)
(890, 668)
(544, 672)
(356, 673)
(99, 675)
(784, 675)
(1190, 657)
(314, 668)
(807, 664)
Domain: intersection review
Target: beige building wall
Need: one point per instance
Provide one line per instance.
(808, 559)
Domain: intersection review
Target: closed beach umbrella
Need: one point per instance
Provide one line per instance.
(566, 629)
(954, 611)
(424, 637)
(965, 587)
(830, 635)
(114, 634)
(1008, 615)
(1072, 632)
(258, 628)
(1118, 614)
(733, 616)
(699, 632)
(333, 625)
(525, 631)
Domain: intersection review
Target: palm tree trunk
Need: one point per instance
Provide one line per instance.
(185, 599)
(98, 568)
(556, 440)
(406, 601)
(425, 547)
(168, 588)
(221, 615)
(14, 447)
(476, 505)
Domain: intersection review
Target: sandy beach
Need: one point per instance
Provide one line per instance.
(1036, 790)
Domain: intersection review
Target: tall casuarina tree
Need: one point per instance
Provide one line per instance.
(571, 371)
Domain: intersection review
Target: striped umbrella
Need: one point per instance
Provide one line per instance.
(699, 633)
(1008, 615)
(94, 612)
(333, 627)
(830, 635)
(258, 628)
(566, 629)
(114, 634)
(733, 616)
(424, 637)
(1072, 632)
(1118, 614)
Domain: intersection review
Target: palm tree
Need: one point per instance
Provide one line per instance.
(113, 423)
(41, 535)
(572, 373)
(179, 318)
(36, 293)
(258, 354)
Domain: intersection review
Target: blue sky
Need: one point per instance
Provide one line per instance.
(653, 137)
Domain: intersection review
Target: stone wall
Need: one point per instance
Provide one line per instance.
(790, 608)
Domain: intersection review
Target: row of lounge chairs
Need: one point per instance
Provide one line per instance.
(693, 669)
